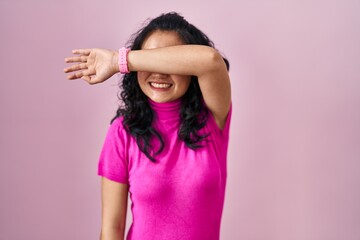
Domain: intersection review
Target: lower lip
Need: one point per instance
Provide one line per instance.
(160, 89)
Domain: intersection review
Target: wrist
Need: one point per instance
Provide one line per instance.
(115, 61)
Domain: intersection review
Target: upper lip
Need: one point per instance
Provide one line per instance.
(160, 82)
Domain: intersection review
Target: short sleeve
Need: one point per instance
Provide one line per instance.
(113, 158)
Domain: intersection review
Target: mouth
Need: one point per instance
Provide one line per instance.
(160, 85)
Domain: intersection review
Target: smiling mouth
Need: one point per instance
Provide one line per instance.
(160, 85)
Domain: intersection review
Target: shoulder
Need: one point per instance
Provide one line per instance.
(117, 127)
(118, 121)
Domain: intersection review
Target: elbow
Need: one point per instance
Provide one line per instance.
(216, 61)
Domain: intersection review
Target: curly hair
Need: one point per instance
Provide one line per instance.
(136, 111)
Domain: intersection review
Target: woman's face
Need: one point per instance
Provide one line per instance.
(162, 87)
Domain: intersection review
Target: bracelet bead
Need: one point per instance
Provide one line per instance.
(123, 64)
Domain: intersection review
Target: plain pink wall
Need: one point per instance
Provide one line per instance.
(294, 156)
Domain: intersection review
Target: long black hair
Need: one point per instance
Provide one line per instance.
(136, 111)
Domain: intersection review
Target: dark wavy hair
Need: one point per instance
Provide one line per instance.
(136, 111)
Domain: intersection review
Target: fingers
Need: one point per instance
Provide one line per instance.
(76, 67)
(85, 52)
(80, 74)
(76, 59)
(83, 58)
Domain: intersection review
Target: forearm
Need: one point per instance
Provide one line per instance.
(194, 60)
(111, 234)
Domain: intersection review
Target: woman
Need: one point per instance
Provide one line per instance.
(167, 144)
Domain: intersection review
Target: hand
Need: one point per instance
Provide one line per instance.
(96, 65)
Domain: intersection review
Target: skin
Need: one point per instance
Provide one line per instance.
(114, 198)
(97, 65)
(179, 83)
(163, 59)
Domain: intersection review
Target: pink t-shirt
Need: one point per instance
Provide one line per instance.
(181, 196)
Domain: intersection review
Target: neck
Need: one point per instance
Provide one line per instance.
(167, 110)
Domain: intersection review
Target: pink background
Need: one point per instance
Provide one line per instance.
(294, 156)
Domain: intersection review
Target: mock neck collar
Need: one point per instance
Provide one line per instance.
(167, 110)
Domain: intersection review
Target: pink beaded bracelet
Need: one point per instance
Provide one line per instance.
(123, 65)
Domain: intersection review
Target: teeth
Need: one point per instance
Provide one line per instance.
(160, 85)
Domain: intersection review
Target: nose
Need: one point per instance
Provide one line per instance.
(159, 75)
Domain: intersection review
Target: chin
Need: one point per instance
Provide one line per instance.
(163, 99)
(160, 100)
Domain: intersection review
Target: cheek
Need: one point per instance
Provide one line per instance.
(184, 82)
(142, 76)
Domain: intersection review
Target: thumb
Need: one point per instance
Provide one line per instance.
(94, 79)
(86, 78)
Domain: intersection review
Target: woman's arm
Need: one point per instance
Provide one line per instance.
(114, 207)
(197, 60)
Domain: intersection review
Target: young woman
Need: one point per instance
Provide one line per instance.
(168, 142)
